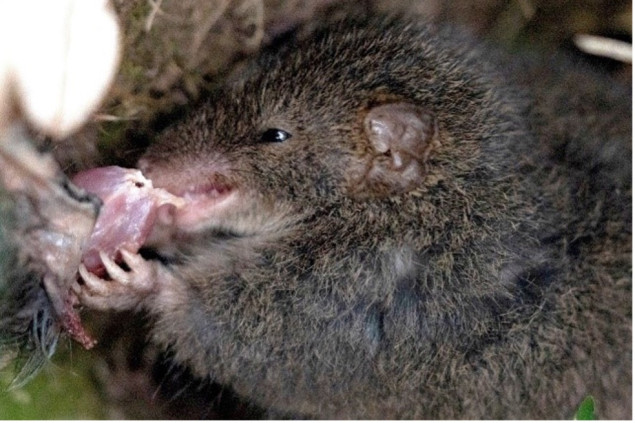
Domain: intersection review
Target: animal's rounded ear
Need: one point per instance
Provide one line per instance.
(400, 137)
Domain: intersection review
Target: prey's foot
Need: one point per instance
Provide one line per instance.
(124, 290)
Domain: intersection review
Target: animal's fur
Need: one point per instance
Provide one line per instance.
(498, 288)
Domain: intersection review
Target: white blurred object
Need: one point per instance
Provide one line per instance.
(605, 47)
(58, 58)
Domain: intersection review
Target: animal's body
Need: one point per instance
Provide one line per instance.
(391, 221)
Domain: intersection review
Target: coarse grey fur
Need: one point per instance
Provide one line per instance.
(499, 287)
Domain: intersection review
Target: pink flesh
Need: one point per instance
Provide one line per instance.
(130, 208)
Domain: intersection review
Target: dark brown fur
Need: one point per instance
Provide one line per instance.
(497, 288)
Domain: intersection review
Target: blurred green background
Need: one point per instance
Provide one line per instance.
(63, 389)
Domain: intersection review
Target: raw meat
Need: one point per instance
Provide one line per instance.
(130, 207)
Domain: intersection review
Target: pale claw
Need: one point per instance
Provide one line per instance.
(142, 272)
(134, 261)
(92, 282)
(114, 270)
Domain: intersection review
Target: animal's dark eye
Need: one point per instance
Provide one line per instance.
(274, 135)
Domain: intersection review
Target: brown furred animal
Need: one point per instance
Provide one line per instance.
(388, 220)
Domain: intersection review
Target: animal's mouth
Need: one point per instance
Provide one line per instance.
(202, 204)
(134, 209)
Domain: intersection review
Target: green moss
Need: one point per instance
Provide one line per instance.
(62, 390)
(586, 410)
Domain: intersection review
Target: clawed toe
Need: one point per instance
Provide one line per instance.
(114, 270)
(92, 282)
(134, 261)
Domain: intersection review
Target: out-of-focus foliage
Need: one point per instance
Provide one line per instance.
(586, 410)
(60, 391)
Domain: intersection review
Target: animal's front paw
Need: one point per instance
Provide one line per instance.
(124, 289)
